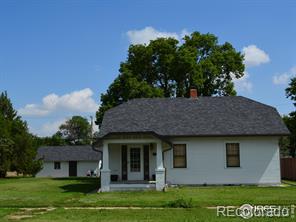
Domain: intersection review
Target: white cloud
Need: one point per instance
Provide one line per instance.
(255, 56)
(33, 110)
(184, 32)
(281, 79)
(77, 101)
(50, 128)
(95, 128)
(47, 128)
(243, 84)
(143, 36)
(284, 78)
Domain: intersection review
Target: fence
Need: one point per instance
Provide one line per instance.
(288, 168)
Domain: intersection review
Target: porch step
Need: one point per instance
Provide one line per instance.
(131, 187)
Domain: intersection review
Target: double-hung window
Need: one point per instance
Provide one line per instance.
(57, 165)
(180, 160)
(232, 155)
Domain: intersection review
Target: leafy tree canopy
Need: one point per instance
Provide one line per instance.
(289, 143)
(291, 90)
(75, 131)
(16, 144)
(55, 140)
(5, 146)
(167, 68)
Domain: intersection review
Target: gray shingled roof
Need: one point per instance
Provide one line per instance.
(205, 116)
(68, 153)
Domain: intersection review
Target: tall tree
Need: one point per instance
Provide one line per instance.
(6, 108)
(16, 149)
(291, 90)
(76, 130)
(54, 140)
(290, 120)
(7, 115)
(5, 146)
(289, 143)
(167, 68)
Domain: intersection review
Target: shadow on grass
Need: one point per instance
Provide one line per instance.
(76, 178)
(80, 184)
(15, 177)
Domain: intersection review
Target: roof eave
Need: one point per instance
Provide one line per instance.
(99, 141)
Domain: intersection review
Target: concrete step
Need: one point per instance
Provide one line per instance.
(131, 187)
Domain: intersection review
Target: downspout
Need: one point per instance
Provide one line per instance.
(94, 142)
(99, 151)
(96, 150)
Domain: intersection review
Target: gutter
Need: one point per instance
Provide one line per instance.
(95, 149)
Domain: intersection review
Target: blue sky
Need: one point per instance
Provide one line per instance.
(57, 57)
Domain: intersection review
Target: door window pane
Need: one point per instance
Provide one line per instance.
(135, 159)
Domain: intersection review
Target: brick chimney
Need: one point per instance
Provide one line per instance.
(193, 93)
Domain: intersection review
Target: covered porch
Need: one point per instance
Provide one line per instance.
(132, 163)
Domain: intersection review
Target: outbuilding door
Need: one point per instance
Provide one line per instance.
(72, 168)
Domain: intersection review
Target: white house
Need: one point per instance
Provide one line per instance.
(151, 143)
(68, 161)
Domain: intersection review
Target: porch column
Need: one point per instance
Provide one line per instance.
(159, 171)
(105, 171)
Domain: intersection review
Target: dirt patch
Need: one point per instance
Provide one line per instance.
(114, 208)
(214, 208)
(19, 217)
(25, 213)
(13, 174)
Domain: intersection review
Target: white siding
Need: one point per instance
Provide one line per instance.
(49, 171)
(206, 162)
(82, 168)
(115, 159)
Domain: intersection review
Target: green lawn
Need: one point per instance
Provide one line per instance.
(171, 215)
(38, 192)
(34, 192)
(289, 182)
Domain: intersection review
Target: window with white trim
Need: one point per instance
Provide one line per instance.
(57, 165)
(179, 153)
(232, 155)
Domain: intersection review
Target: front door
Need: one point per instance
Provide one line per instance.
(72, 168)
(135, 163)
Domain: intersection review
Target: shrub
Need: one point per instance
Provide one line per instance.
(180, 203)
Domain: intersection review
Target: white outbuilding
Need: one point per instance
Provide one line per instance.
(68, 161)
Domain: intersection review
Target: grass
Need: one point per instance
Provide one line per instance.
(5, 212)
(77, 192)
(201, 196)
(39, 192)
(289, 182)
(196, 215)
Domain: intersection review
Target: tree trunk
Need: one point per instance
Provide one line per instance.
(2, 174)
